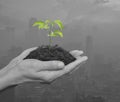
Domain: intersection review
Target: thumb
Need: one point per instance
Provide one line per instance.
(52, 65)
(26, 52)
(22, 56)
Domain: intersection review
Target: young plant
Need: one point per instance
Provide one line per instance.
(54, 28)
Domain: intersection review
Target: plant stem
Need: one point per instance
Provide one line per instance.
(50, 38)
(50, 41)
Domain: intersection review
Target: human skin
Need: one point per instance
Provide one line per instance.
(20, 71)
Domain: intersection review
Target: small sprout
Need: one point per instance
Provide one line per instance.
(59, 23)
(50, 26)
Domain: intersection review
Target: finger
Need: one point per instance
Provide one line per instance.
(77, 67)
(74, 64)
(19, 58)
(48, 65)
(51, 75)
(26, 52)
(76, 53)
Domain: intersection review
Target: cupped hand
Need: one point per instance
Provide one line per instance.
(19, 70)
(50, 76)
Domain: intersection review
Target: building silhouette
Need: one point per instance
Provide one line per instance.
(89, 53)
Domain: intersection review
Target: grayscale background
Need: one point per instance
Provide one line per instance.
(90, 25)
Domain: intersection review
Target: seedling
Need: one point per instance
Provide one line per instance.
(49, 52)
(54, 28)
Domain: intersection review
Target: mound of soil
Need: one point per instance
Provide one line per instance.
(46, 53)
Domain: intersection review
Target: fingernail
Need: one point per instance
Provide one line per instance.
(81, 52)
(60, 64)
(85, 58)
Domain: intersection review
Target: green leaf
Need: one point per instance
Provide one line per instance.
(58, 33)
(59, 23)
(41, 26)
(47, 21)
(52, 24)
(46, 26)
(52, 34)
(38, 23)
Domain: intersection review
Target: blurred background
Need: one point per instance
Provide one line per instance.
(90, 25)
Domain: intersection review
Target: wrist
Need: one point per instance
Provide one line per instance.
(7, 78)
(4, 79)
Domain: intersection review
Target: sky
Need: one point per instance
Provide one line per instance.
(114, 4)
(24, 9)
(87, 14)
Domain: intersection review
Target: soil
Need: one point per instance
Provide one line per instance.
(46, 53)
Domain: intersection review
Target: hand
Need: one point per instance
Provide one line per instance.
(52, 75)
(19, 70)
